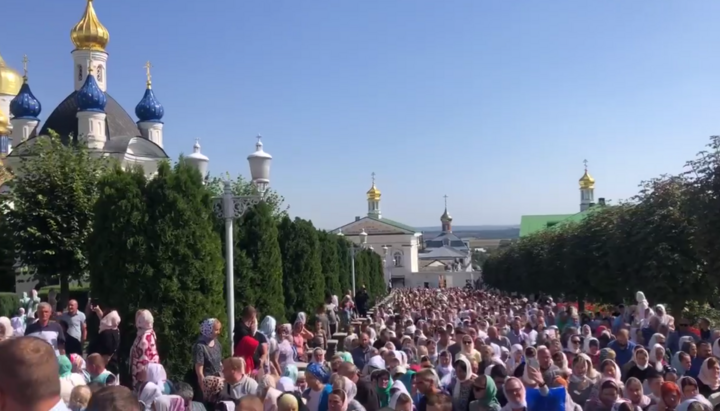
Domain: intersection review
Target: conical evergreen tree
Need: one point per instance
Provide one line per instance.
(176, 269)
(259, 267)
(330, 262)
(304, 284)
(343, 253)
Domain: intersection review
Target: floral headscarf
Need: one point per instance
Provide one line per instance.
(318, 372)
(207, 329)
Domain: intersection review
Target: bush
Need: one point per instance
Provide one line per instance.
(9, 304)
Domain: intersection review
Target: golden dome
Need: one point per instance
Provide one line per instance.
(373, 193)
(586, 181)
(4, 124)
(10, 80)
(89, 33)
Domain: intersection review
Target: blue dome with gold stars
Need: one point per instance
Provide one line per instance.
(90, 97)
(149, 108)
(25, 105)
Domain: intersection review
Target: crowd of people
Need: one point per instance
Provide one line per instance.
(420, 350)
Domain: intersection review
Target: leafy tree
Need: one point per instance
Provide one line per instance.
(243, 187)
(258, 264)
(304, 285)
(376, 276)
(330, 262)
(50, 209)
(154, 247)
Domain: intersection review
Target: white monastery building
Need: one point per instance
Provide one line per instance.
(411, 261)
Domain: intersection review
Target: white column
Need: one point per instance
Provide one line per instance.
(98, 61)
(22, 129)
(91, 129)
(586, 198)
(152, 130)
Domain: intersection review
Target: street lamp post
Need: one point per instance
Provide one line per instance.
(386, 269)
(353, 247)
(230, 207)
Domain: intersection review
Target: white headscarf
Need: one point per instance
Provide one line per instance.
(156, 374)
(7, 328)
(149, 394)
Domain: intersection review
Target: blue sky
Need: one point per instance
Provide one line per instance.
(494, 103)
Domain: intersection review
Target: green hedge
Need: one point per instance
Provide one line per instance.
(9, 304)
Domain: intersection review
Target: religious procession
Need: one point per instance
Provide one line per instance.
(419, 349)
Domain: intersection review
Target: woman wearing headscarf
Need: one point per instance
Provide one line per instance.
(291, 371)
(286, 384)
(515, 358)
(68, 379)
(581, 383)
(689, 389)
(633, 391)
(483, 396)
(609, 395)
(144, 349)
(709, 377)
(670, 397)
(286, 351)
(267, 328)
(169, 403)
(461, 385)
(107, 342)
(149, 394)
(246, 350)
(346, 384)
(639, 370)
(156, 374)
(268, 392)
(6, 328)
(291, 402)
(383, 384)
(207, 355)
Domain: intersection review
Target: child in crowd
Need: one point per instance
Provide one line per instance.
(98, 373)
(80, 398)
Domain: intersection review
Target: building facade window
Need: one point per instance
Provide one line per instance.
(397, 259)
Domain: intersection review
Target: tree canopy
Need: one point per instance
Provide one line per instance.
(51, 208)
(662, 242)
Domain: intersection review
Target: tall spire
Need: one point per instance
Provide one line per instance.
(446, 219)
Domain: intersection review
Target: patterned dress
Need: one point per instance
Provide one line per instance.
(144, 349)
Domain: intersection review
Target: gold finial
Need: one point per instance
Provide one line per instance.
(373, 194)
(586, 181)
(148, 66)
(25, 66)
(90, 67)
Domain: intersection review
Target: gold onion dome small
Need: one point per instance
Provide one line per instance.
(10, 80)
(373, 193)
(586, 181)
(4, 124)
(89, 33)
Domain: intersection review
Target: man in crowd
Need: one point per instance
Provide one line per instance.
(248, 326)
(50, 331)
(76, 328)
(361, 301)
(29, 375)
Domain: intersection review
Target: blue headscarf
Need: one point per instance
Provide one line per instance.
(207, 330)
(318, 371)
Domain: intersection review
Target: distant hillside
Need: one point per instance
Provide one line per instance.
(481, 234)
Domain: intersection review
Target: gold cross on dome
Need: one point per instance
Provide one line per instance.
(148, 66)
(445, 197)
(586, 163)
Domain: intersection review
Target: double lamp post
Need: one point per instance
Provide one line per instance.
(230, 207)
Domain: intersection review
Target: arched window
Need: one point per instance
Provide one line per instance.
(80, 72)
(397, 259)
(100, 73)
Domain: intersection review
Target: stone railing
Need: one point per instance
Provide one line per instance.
(337, 342)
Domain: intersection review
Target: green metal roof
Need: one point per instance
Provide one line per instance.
(394, 224)
(533, 223)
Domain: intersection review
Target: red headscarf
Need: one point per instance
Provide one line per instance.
(668, 388)
(246, 349)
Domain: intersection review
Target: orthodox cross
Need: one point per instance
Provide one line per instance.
(585, 162)
(148, 66)
(445, 197)
(373, 178)
(90, 67)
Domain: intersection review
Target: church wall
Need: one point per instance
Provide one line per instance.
(405, 244)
